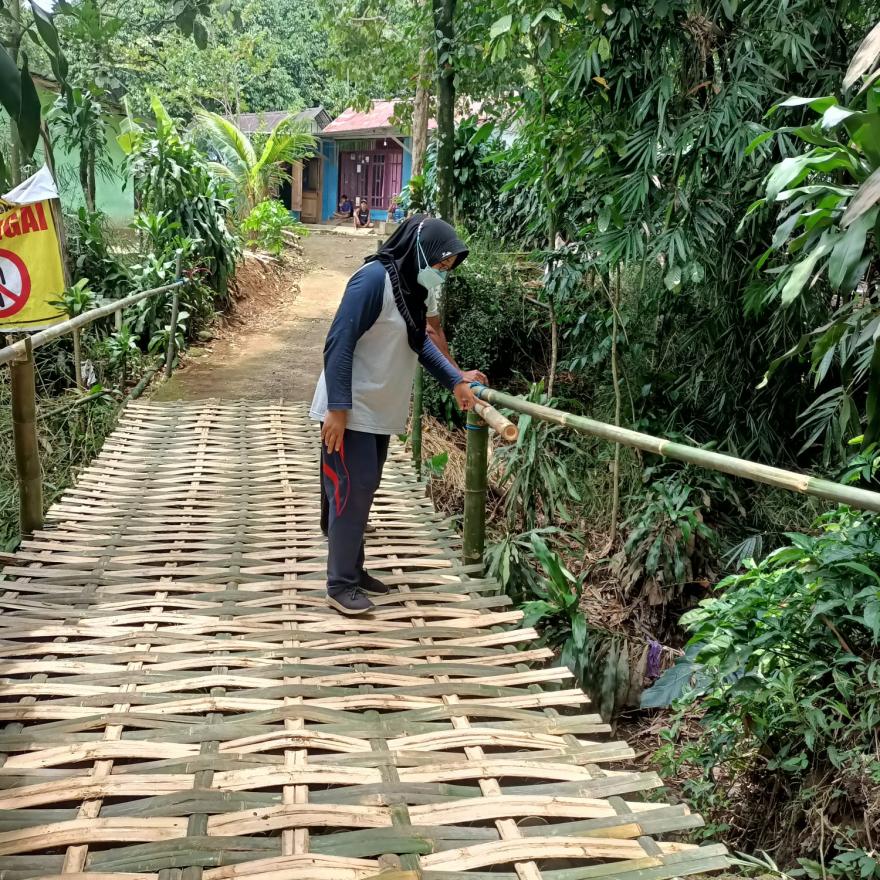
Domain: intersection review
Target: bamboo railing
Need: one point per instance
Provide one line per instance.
(20, 357)
(474, 529)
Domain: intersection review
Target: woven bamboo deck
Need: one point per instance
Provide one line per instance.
(178, 703)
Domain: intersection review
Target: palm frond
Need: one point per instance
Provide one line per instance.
(230, 142)
(287, 143)
(218, 169)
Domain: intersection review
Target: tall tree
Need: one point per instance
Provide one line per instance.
(385, 49)
(444, 30)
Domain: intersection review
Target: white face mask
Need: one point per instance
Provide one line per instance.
(429, 277)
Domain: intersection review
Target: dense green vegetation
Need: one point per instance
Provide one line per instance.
(673, 215)
(678, 235)
(154, 64)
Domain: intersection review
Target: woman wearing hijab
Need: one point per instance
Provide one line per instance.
(374, 345)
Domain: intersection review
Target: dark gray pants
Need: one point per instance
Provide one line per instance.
(351, 477)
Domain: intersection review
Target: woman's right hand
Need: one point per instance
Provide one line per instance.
(464, 396)
(333, 429)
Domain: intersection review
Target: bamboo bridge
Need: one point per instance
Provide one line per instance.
(179, 703)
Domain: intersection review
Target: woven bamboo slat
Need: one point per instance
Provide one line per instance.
(178, 703)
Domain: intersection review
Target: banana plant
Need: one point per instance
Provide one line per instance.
(18, 95)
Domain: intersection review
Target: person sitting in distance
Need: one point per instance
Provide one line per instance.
(395, 213)
(362, 216)
(345, 208)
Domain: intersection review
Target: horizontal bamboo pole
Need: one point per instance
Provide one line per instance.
(716, 461)
(500, 424)
(17, 349)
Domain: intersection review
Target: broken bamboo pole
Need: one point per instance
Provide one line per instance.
(500, 424)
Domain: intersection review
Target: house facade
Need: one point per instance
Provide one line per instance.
(365, 156)
(361, 154)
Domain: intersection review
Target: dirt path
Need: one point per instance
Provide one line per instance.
(274, 352)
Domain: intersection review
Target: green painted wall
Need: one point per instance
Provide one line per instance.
(110, 196)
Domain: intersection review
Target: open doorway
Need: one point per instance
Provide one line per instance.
(312, 189)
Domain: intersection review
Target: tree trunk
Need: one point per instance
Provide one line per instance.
(444, 27)
(91, 201)
(14, 154)
(420, 115)
(84, 174)
(48, 149)
(615, 379)
(87, 175)
(551, 243)
(15, 140)
(554, 347)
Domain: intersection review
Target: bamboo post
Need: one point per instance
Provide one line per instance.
(416, 430)
(27, 449)
(77, 359)
(172, 338)
(475, 483)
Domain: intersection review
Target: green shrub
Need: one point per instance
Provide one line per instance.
(535, 472)
(266, 223)
(488, 322)
(671, 539)
(786, 658)
(174, 179)
(90, 248)
(598, 658)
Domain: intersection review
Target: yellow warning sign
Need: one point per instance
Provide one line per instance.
(31, 274)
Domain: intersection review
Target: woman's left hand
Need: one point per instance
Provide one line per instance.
(475, 376)
(464, 396)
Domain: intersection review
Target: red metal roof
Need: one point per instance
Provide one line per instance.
(376, 119)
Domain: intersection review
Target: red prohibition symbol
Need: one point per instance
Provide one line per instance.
(15, 284)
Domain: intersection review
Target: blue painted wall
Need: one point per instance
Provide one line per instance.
(406, 171)
(331, 179)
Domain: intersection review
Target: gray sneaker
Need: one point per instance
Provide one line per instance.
(372, 585)
(351, 601)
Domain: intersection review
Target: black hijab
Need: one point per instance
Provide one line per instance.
(400, 257)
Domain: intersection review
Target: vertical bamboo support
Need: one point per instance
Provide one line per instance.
(117, 320)
(416, 429)
(77, 359)
(58, 220)
(27, 449)
(172, 337)
(475, 483)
